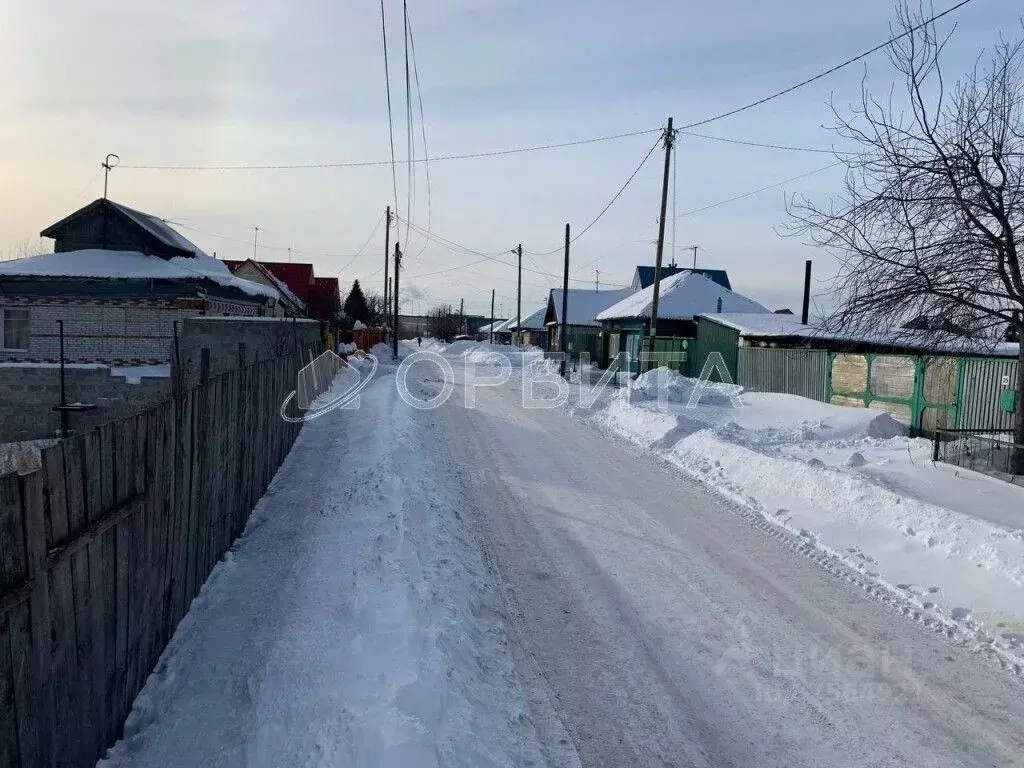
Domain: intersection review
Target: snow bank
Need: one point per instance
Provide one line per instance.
(481, 353)
(850, 482)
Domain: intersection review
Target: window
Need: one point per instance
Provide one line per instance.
(15, 329)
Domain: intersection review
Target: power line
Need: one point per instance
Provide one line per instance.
(248, 242)
(387, 82)
(604, 210)
(365, 245)
(753, 192)
(763, 145)
(423, 131)
(827, 72)
(378, 163)
(410, 143)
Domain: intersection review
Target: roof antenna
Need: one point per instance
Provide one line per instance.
(107, 167)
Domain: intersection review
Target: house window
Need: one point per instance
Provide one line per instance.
(15, 329)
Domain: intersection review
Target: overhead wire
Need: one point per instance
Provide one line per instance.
(826, 72)
(410, 143)
(391, 125)
(423, 131)
(753, 192)
(607, 206)
(364, 246)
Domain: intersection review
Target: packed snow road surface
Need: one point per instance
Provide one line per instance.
(505, 587)
(670, 629)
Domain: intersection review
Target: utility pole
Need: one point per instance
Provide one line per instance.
(387, 255)
(289, 254)
(653, 331)
(398, 265)
(805, 310)
(462, 316)
(491, 339)
(694, 256)
(519, 292)
(562, 340)
(255, 237)
(107, 167)
(597, 280)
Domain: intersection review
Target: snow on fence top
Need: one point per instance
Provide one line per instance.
(683, 296)
(131, 265)
(778, 326)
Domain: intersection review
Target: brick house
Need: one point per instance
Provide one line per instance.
(118, 279)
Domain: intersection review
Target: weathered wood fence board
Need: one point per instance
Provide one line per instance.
(103, 550)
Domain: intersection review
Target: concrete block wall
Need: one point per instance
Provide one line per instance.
(263, 337)
(29, 393)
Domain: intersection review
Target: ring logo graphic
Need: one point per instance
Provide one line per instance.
(315, 381)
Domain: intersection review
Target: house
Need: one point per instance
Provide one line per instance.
(318, 297)
(683, 296)
(583, 331)
(644, 276)
(257, 272)
(118, 280)
(483, 333)
(531, 330)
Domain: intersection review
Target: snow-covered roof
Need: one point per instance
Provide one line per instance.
(275, 282)
(532, 322)
(158, 228)
(487, 328)
(683, 296)
(585, 304)
(131, 265)
(760, 324)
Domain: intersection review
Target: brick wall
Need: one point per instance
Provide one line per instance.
(111, 331)
(29, 393)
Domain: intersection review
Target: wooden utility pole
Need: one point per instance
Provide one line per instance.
(398, 265)
(562, 340)
(597, 279)
(255, 237)
(462, 316)
(806, 308)
(694, 256)
(491, 339)
(653, 331)
(387, 255)
(519, 293)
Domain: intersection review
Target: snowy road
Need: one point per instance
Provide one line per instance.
(504, 587)
(670, 629)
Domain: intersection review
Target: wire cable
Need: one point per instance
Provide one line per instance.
(825, 73)
(387, 82)
(763, 145)
(410, 143)
(753, 192)
(606, 208)
(423, 131)
(377, 163)
(365, 245)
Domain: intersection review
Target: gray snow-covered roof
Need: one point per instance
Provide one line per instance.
(760, 324)
(158, 228)
(531, 322)
(584, 304)
(683, 296)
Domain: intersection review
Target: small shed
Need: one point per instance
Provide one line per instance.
(531, 330)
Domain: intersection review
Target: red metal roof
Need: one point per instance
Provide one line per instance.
(324, 298)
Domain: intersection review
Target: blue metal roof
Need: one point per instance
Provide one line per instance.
(646, 274)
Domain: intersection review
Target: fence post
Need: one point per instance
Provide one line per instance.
(935, 446)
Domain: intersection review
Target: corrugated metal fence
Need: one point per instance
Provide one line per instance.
(794, 371)
(981, 386)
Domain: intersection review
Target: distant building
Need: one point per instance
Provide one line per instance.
(644, 276)
(319, 297)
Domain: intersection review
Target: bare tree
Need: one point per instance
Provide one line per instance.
(931, 217)
(375, 303)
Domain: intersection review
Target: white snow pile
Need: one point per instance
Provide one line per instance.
(481, 353)
(850, 482)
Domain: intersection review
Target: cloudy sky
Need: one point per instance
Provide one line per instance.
(261, 83)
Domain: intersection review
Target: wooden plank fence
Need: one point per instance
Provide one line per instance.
(104, 548)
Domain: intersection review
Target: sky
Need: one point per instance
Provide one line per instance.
(233, 83)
